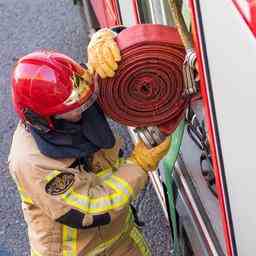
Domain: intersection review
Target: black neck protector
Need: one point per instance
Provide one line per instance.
(80, 139)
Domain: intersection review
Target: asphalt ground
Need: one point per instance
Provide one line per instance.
(24, 27)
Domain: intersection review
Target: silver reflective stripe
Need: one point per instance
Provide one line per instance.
(120, 197)
(119, 185)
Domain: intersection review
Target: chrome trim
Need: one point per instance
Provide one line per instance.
(196, 209)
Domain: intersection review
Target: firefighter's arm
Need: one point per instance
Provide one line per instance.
(115, 193)
(127, 175)
(81, 199)
(141, 157)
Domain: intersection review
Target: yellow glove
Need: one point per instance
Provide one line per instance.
(148, 159)
(103, 53)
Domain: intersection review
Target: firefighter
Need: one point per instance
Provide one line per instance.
(75, 184)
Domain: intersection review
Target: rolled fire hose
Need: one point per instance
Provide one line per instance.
(147, 89)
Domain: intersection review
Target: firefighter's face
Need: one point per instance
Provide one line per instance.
(76, 114)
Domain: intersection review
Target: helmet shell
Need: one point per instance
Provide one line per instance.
(43, 81)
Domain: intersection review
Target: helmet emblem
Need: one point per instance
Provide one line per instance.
(80, 88)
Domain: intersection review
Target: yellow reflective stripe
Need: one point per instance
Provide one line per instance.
(102, 247)
(52, 175)
(120, 161)
(130, 161)
(120, 197)
(124, 184)
(106, 202)
(35, 253)
(119, 185)
(87, 205)
(105, 174)
(26, 200)
(140, 242)
(95, 205)
(69, 241)
(24, 197)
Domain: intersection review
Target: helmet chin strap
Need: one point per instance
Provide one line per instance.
(36, 121)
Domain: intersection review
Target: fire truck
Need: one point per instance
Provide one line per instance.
(206, 183)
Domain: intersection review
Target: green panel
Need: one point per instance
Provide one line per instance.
(169, 162)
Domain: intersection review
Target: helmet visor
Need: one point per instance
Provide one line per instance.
(83, 94)
(84, 106)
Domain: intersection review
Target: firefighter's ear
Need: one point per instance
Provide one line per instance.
(36, 121)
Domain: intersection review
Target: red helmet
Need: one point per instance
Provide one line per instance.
(49, 83)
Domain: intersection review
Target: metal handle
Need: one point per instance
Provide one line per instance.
(151, 136)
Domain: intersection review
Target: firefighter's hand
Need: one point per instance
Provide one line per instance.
(103, 53)
(148, 159)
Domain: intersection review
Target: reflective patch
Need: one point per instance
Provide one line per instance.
(69, 241)
(122, 193)
(60, 184)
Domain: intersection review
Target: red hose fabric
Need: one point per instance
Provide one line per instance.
(148, 85)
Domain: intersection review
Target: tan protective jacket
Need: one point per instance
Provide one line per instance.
(49, 189)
